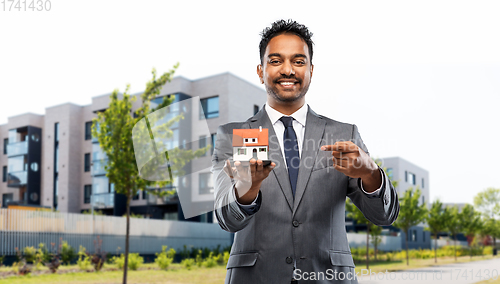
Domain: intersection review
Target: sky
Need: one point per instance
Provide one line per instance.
(420, 79)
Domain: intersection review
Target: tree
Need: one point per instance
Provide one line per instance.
(436, 223)
(470, 223)
(452, 218)
(357, 215)
(375, 232)
(113, 129)
(488, 202)
(410, 214)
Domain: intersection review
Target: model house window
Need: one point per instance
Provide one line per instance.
(262, 149)
(87, 192)
(5, 143)
(87, 162)
(242, 151)
(88, 130)
(251, 140)
(4, 174)
(210, 107)
(206, 183)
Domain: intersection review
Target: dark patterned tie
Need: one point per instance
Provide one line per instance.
(291, 151)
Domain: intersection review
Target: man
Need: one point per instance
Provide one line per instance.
(289, 216)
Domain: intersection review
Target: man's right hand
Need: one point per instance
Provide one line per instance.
(248, 178)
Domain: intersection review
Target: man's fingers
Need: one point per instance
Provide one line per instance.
(341, 146)
(228, 169)
(260, 166)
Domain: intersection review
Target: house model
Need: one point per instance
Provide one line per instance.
(250, 143)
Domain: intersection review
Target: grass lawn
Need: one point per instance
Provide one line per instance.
(149, 273)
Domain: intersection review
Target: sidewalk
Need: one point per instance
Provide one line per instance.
(459, 273)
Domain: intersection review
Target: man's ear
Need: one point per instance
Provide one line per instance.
(312, 67)
(260, 73)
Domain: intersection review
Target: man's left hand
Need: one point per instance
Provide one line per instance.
(352, 161)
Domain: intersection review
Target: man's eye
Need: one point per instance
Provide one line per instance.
(300, 62)
(274, 62)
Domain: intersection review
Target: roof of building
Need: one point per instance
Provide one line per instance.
(261, 135)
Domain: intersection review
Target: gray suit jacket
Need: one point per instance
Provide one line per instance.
(307, 231)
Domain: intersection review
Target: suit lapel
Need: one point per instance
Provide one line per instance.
(262, 119)
(315, 127)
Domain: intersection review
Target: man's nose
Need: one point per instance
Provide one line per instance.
(287, 69)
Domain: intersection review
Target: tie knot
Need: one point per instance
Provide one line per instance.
(287, 121)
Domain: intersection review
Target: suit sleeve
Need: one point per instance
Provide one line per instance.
(230, 215)
(381, 209)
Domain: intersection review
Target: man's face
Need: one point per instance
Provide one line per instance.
(286, 68)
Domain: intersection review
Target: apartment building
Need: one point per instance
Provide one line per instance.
(52, 160)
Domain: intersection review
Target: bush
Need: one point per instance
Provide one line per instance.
(188, 263)
(226, 257)
(211, 260)
(199, 258)
(67, 253)
(134, 261)
(83, 259)
(164, 259)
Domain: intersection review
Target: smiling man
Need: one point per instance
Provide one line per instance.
(289, 216)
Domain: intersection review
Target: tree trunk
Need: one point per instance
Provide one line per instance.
(455, 246)
(435, 248)
(125, 265)
(494, 245)
(407, 253)
(367, 246)
(376, 249)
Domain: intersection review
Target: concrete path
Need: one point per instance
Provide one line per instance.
(458, 273)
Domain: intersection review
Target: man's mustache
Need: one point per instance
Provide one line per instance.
(285, 77)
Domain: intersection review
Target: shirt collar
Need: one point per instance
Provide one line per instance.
(300, 115)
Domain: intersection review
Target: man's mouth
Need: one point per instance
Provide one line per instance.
(287, 84)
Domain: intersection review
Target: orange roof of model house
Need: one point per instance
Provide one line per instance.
(240, 134)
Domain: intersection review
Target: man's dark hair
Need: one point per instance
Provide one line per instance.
(280, 27)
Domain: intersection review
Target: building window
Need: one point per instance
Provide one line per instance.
(423, 199)
(6, 198)
(423, 236)
(202, 143)
(413, 235)
(136, 197)
(210, 107)
(214, 138)
(5, 143)
(144, 194)
(206, 183)
(4, 173)
(87, 162)
(410, 178)
(255, 109)
(87, 192)
(88, 130)
(422, 182)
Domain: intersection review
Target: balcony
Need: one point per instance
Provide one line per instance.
(16, 179)
(98, 167)
(16, 149)
(103, 200)
(155, 200)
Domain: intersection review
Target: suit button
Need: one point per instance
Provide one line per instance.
(295, 223)
(289, 260)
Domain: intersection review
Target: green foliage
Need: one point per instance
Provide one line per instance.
(199, 258)
(212, 260)
(488, 202)
(410, 212)
(96, 212)
(132, 215)
(164, 259)
(226, 257)
(83, 261)
(29, 254)
(134, 261)
(67, 252)
(188, 263)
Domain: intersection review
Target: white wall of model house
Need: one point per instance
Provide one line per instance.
(247, 152)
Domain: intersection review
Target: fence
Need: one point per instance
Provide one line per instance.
(19, 229)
